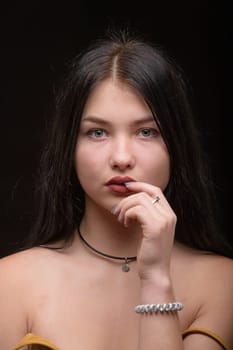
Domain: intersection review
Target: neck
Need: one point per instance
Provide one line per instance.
(101, 229)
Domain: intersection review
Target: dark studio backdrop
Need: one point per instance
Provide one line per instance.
(38, 38)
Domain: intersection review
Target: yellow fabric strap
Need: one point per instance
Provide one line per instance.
(38, 343)
(35, 343)
(208, 333)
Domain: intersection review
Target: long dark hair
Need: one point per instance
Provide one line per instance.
(161, 83)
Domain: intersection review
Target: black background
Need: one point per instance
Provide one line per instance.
(38, 38)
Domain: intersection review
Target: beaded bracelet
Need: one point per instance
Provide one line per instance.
(166, 307)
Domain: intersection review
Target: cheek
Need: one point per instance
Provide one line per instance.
(81, 162)
(86, 163)
(158, 169)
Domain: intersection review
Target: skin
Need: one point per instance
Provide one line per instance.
(127, 140)
(76, 295)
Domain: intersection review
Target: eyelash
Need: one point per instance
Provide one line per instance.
(93, 132)
(153, 132)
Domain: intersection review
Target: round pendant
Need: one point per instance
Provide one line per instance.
(125, 268)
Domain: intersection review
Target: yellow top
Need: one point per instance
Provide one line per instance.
(37, 343)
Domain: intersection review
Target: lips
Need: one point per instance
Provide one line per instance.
(117, 184)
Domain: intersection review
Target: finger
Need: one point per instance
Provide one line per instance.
(151, 190)
(144, 201)
(132, 200)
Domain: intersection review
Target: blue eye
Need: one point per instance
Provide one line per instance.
(148, 132)
(97, 133)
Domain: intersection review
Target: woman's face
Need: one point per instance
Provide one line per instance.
(118, 141)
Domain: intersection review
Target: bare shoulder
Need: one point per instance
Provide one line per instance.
(216, 274)
(208, 269)
(19, 271)
(13, 267)
(211, 277)
(16, 272)
(202, 262)
(23, 276)
(213, 269)
(25, 266)
(216, 281)
(216, 312)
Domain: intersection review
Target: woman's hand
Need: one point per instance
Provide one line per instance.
(157, 222)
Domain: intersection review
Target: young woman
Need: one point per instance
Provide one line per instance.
(125, 253)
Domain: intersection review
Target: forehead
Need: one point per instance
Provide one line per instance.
(112, 98)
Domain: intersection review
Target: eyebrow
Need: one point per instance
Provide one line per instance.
(93, 119)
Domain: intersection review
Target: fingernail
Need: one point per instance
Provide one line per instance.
(119, 218)
(128, 183)
(113, 209)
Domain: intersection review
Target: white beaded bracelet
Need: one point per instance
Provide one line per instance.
(166, 307)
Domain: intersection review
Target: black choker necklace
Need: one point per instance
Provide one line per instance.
(127, 260)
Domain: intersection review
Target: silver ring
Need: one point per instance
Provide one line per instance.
(155, 200)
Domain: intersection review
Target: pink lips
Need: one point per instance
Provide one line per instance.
(117, 184)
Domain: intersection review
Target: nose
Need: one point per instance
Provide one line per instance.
(122, 156)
